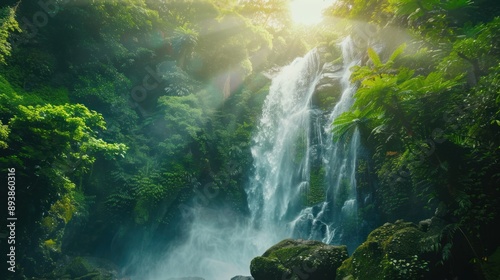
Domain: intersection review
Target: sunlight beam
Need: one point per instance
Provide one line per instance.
(308, 12)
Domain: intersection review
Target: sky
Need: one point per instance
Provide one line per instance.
(308, 12)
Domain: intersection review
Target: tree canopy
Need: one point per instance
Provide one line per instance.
(119, 116)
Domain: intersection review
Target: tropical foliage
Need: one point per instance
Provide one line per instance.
(431, 124)
(120, 115)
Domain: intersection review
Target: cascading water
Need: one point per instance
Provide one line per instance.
(334, 220)
(292, 139)
(283, 146)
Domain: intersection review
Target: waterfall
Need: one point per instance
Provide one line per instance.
(293, 137)
(282, 146)
(292, 142)
(340, 161)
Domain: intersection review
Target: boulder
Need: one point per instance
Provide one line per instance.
(298, 259)
(394, 251)
(242, 278)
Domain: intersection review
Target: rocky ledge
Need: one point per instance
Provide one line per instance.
(299, 259)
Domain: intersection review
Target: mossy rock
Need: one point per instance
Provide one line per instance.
(327, 94)
(392, 251)
(298, 259)
(267, 268)
(79, 267)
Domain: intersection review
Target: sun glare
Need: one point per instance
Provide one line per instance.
(308, 12)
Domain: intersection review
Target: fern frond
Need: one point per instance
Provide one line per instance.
(374, 57)
(344, 124)
(396, 53)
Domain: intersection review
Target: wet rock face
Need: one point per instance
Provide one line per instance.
(299, 259)
(328, 89)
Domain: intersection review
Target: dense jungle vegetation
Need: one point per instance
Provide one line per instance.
(114, 112)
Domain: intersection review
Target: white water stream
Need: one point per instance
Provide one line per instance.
(291, 137)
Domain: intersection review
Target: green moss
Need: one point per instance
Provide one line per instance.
(364, 263)
(343, 193)
(411, 267)
(316, 192)
(404, 242)
(52, 245)
(391, 252)
(64, 208)
(300, 148)
(49, 224)
(287, 253)
(290, 259)
(382, 233)
(141, 212)
(267, 268)
(326, 98)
